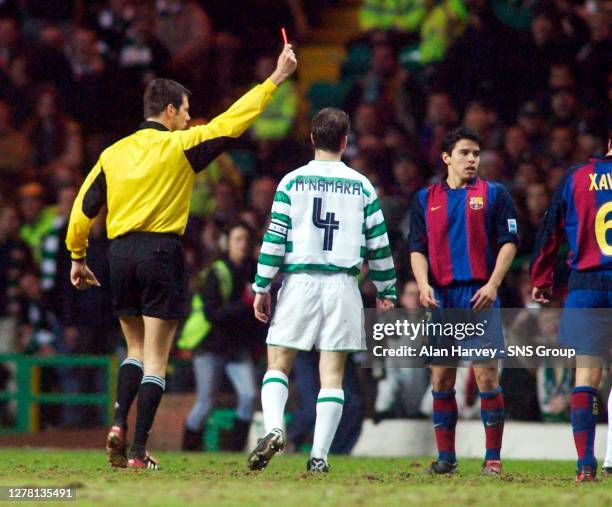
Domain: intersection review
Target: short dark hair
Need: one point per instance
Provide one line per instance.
(329, 128)
(240, 224)
(160, 93)
(456, 135)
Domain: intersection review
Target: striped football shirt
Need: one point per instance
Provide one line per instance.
(326, 218)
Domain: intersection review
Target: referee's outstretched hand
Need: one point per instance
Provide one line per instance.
(82, 277)
(285, 65)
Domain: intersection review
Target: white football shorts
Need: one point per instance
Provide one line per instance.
(318, 310)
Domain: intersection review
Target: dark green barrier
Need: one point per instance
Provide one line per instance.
(28, 395)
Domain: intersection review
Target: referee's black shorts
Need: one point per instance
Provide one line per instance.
(148, 275)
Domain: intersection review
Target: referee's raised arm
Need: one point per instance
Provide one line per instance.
(146, 180)
(166, 107)
(202, 144)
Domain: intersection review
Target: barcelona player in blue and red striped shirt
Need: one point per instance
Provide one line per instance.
(581, 212)
(463, 239)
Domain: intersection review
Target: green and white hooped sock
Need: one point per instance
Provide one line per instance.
(274, 394)
(329, 413)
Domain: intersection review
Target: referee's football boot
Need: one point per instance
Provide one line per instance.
(492, 468)
(116, 447)
(606, 472)
(145, 461)
(317, 465)
(266, 447)
(441, 467)
(586, 474)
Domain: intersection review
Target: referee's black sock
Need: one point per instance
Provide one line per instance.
(130, 376)
(149, 395)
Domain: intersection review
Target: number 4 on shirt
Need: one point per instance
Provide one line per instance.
(328, 223)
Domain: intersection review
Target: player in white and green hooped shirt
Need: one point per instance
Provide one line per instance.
(325, 221)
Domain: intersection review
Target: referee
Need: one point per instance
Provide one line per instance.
(146, 181)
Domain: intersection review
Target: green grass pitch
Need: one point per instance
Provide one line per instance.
(223, 480)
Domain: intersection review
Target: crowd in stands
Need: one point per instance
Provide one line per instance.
(532, 77)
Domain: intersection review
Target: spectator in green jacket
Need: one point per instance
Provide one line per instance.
(403, 15)
(444, 22)
(223, 335)
(276, 122)
(37, 219)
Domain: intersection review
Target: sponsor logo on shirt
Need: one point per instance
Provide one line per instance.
(512, 227)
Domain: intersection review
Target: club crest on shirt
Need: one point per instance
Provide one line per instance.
(476, 202)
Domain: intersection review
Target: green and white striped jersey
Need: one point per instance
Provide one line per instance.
(326, 218)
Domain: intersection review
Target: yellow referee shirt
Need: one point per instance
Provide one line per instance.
(146, 178)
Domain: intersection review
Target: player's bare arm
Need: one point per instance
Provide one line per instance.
(420, 268)
(487, 294)
(262, 307)
(542, 295)
(384, 305)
